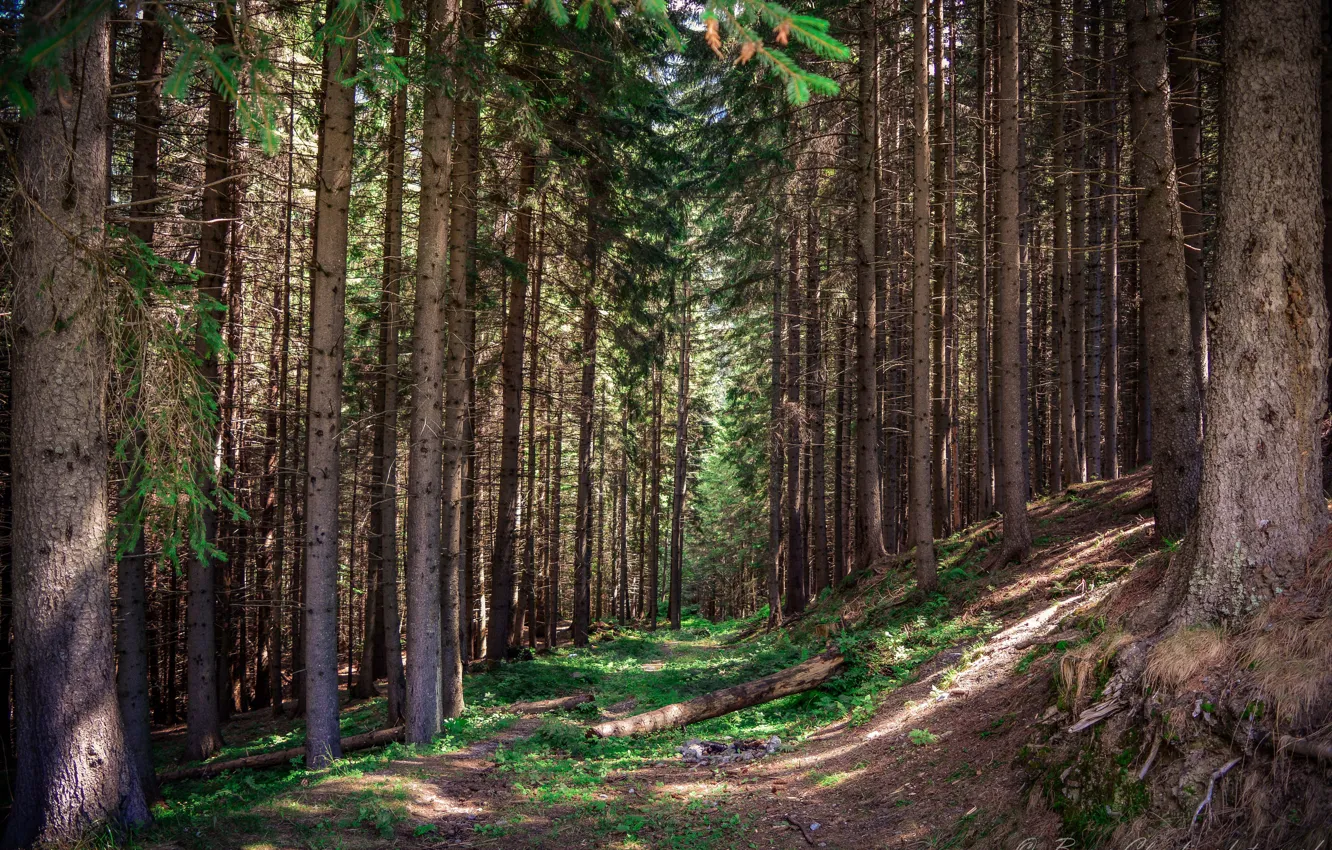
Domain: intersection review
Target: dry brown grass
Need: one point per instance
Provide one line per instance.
(1184, 655)
(1080, 666)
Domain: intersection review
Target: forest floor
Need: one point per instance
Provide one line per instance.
(924, 742)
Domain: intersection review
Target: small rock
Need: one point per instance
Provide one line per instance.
(773, 744)
(813, 826)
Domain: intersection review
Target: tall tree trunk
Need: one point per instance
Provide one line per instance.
(511, 372)
(869, 503)
(921, 506)
(678, 482)
(328, 291)
(204, 735)
(1186, 129)
(776, 457)
(623, 530)
(555, 483)
(424, 481)
(73, 768)
(1261, 506)
(1077, 277)
(794, 414)
(454, 530)
(984, 460)
(815, 384)
(1110, 261)
(939, 327)
(1096, 254)
(132, 665)
(840, 484)
(654, 537)
(1013, 496)
(383, 541)
(582, 600)
(1070, 439)
(1176, 422)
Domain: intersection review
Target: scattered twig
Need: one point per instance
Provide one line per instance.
(1211, 786)
(1151, 757)
(1096, 714)
(803, 831)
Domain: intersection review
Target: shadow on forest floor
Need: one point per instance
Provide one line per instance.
(918, 744)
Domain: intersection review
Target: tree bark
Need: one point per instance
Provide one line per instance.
(984, 459)
(776, 457)
(132, 641)
(922, 498)
(328, 291)
(678, 482)
(73, 768)
(1261, 506)
(939, 303)
(582, 601)
(1186, 127)
(654, 536)
(1013, 495)
(793, 680)
(202, 718)
(383, 541)
(815, 392)
(424, 472)
(869, 543)
(454, 531)
(794, 602)
(1176, 422)
(511, 372)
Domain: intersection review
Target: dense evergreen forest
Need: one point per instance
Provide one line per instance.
(377, 375)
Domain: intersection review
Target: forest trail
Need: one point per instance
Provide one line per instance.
(922, 746)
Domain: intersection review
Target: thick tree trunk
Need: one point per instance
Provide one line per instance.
(1011, 435)
(1261, 506)
(1176, 420)
(869, 543)
(328, 290)
(793, 680)
(511, 374)
(424, 478)
(921, 507)
(73, 768)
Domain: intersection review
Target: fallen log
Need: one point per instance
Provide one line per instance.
(793, 680)
(364, 741)
(377, 738)
(542, 706)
